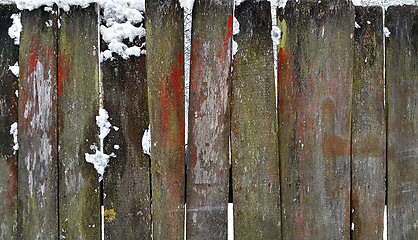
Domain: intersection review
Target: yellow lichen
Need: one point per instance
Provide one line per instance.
(110, 215)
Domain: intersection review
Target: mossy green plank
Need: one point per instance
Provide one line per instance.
(254, 145)
(368, 126)
(126, 181)
(165, 77)
(38, 156)
(208, 147)
(402, 102)
(9, 54)
(315, 74)
(78, 105)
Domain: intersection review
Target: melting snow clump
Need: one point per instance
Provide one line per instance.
(99, 159)
(386, 31)
(275, 35)
(15, 69)
(146, 141)
(16, 28)
(13, 131)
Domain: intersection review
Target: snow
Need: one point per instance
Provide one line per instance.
(16, 28)
(275, 35)
(13, 132)
(235, 31)
(15, 69)
(146, 141)
(103, 123)
(99, 159)
(386, 31)
(122, 20)
(385, 223)
(187, 4)
(356, 25)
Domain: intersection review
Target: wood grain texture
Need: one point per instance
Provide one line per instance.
(38, 179)
(78, 95)
(165, 77)
(9, 55)
(315, 64)
(208, 147)
(368, 126)
(126, 181)
(402, 100)
(254, 145)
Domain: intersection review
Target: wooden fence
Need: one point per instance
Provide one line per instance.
(341, 144)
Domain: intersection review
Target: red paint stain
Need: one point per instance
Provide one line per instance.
(230, 29)
(195, 70)
(284, 76)
(64, 68)
(171, 97)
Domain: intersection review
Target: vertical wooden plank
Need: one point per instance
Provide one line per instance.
(126, 181)
(254, 146)
(315, 63)
(402, 89)
(9, 54)
(208, 147)
(37, 165)
(165, 77)
(368, 126)
(78, 95)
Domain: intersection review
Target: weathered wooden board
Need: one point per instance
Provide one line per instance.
(208, 147)
(165, 77)
(402, 101)
(126, 181)
(9, 54)
(315, 64)
(254, 146)
(368, 126)
(78, 95)
(37, 164)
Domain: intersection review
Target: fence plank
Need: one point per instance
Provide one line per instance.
(368, 126)
(9, 54)
(315, 63)
(402, 87)
(37, 165)
(78, 94)
(165, 77)
(126, 181)
(254, 146)
(208, 164)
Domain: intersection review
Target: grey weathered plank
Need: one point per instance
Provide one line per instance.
(315, 63)
(368, 126)
(208, 165)
(126, 181)
(37, 165)
(402, 99)
(165, 77)
(254, 146)
(78, 105)
(9, 54)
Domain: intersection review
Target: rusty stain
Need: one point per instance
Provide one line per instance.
(332, 146)
(110, 215)
(335, 146)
